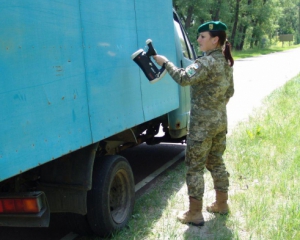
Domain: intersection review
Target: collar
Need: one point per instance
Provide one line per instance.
(213, 51)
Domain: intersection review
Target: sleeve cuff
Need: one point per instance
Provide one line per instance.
(165, 63)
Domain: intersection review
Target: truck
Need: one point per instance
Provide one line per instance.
(72, 100)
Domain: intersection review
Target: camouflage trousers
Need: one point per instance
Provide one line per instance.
(207, 153)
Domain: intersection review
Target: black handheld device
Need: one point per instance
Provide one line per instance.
(143, 60)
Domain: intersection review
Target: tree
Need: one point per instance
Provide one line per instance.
(235, 21)
(251, 23)
(195, 12)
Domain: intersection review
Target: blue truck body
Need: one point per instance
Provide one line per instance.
(68, 81)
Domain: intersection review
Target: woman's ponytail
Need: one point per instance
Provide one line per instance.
(225, 44)
(227, 53)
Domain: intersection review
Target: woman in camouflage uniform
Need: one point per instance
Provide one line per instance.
(211, 81)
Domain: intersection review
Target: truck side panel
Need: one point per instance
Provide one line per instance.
(109, 33)
(119, 94)
(67, 77)
(153, 21)
(44, 110)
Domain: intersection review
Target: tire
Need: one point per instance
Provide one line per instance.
(110, 202)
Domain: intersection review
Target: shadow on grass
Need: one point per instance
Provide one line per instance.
(214, 228)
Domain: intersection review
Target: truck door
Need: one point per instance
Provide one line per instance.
(185, 55)
(154, 20)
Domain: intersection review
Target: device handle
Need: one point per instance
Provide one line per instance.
(151, 51)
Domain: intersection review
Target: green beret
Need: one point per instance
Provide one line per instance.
(212, 26)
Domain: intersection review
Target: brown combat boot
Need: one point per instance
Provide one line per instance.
(194, 214)
(220, 205)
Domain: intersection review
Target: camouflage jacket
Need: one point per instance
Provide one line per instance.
(211, 81)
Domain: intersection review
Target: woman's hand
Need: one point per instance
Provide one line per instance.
(160, 59)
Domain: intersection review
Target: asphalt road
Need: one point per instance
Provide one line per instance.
(254, 78)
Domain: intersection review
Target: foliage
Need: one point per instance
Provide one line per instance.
(251, 23)
(287, 22)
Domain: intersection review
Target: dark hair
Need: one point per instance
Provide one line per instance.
(223, 40)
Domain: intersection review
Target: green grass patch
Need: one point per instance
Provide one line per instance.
(262, 51)
(263, 156)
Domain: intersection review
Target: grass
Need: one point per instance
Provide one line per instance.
(266, 166)
(262, 51)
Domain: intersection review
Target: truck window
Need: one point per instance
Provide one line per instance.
(187, 49)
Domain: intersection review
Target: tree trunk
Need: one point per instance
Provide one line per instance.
(216, 15)
(252, 41)
(235, 23)
(243, 30)
(242, 42)
(298, 40)
(188, 19)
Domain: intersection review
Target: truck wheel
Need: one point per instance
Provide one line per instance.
(110, 202)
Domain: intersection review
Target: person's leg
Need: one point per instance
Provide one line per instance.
(196, 154)
(196, 157)
(215, 164)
